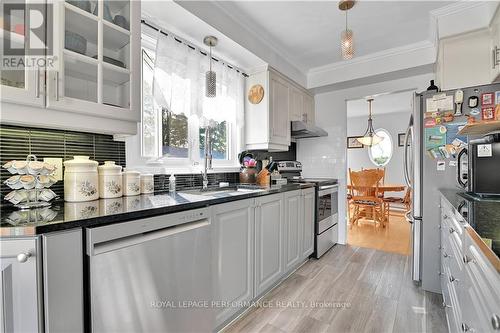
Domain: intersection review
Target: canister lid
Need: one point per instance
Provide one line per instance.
(131, 173)
(81, 161)
(109, 167)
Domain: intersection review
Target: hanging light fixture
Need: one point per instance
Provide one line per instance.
(346, 36)
(210, 76)
(370, 138)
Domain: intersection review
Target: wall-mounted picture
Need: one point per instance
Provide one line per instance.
(353, 143)
(401, 140)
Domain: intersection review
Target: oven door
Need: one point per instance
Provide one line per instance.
(327, 207)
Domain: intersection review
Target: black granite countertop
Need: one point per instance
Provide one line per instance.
(66, 215)
(483, 215)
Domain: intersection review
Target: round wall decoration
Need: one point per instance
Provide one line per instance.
(256, 94)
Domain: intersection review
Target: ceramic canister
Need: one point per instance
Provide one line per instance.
(131, 183)
(110, 180)
(80, 179)
(147, 183)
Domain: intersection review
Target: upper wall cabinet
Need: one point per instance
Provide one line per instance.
(470, 59)
(267, 121)
(95, 64)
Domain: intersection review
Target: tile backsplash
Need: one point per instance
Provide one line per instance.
(17, 142)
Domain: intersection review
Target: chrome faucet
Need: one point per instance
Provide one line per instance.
(208, 156)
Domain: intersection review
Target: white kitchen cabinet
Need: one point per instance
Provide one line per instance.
(495, 48)
(233, 249)
(103, 78)
(269, 224)
(20, 84)
(464, 60)
(301, 105)
(307, 211)
(292, 232)
(267, 124)
(296, 104)
(94, 73)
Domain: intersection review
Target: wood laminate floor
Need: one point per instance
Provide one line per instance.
(350, 289)
(395, 237)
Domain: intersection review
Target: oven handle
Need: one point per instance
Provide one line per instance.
(327, 189)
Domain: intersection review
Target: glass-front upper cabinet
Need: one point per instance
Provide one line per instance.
(97, 58)
(21, 68)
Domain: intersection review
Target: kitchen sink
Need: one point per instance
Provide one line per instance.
(224, 191)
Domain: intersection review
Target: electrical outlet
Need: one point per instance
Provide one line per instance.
(58, 163)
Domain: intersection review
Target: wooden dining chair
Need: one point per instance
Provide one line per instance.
(405, 201)
(365, 196)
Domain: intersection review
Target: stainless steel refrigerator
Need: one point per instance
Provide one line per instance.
(428, 170)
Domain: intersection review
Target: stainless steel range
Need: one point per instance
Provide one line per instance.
(326, 217)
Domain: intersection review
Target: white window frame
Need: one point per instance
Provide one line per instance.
(392, 148)
(193, 162)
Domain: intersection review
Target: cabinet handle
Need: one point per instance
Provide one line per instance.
(37, 85)
(452, 279)
(446, 255)
(495, 56)
(495, 322)
(57, 86)
(465, 327)
(452, 230)
(446, 305)
(467, 260)
(21, 257)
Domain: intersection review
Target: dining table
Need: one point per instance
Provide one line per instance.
(386, 188)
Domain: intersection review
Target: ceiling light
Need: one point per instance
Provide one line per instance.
(210, 76)
(346, 36)
(370, 138)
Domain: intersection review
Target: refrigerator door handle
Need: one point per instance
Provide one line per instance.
(405, 158)
(459, 168)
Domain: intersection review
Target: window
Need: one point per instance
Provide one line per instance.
(381, 153)
(175, 111)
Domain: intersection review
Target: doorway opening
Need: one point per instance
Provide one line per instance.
(378, 197)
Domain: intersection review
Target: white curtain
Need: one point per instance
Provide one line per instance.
(179, 84)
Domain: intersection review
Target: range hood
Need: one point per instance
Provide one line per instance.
(302, 130)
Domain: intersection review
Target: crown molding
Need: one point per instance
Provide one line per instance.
(373, 56)
(391, 60)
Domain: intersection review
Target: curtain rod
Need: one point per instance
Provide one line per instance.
(180, 40)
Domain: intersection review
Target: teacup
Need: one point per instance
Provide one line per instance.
(46, 195)
(42, 181)
(35, 167)
(28, 181)
(14, 182)
(20, 167)
(16, 197)
(9, 166)
(48, 169)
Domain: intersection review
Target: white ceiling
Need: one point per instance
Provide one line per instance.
(172, 17)
(388, 103)
(307, 33)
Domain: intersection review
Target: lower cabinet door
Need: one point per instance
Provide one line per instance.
(20, 286)
(307, 223)
(233, 230)
(268, 241)
(293, 230)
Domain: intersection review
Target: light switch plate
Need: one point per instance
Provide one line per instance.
(58, 163)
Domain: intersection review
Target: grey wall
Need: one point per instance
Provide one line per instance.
(394, 123)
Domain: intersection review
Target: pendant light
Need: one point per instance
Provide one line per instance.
(210, 76)
(370, 138)
(346, 36)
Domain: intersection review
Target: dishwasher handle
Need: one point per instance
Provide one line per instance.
(120, 243)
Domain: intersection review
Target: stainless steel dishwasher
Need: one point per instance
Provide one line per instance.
(152, 275)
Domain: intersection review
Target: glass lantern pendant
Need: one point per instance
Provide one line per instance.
(346, 36)
(370, 138)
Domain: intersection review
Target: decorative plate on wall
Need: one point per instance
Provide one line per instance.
(256, 94)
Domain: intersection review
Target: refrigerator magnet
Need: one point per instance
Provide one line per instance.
(441, 165)
(474, 112)
(473, 101)
(487, 99)
(497, 97)
(488, 113)
(497, 112)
